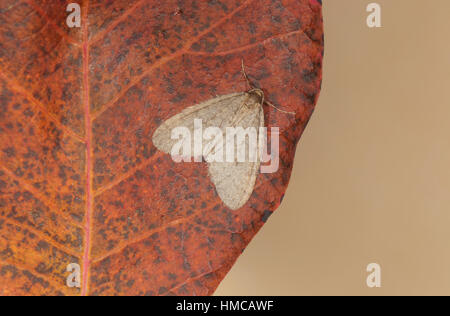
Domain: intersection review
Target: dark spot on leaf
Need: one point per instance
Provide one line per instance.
(266, 215)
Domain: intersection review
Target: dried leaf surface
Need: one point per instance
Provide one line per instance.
(80, 179)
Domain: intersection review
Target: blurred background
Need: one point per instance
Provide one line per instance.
(371, 182)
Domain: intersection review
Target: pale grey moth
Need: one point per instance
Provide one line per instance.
(234, 181)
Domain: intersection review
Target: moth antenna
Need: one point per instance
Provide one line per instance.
(245, 75)
(278, 109)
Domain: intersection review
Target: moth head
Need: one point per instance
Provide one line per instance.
(255, 98)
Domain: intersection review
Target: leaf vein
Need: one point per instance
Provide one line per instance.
(190, 280)
(116, 22)
(56, 27)
(165, 60)
(38, 196)
(249, 46)
(146, 235)
(55, 284)
(13, 84)
(42, 236)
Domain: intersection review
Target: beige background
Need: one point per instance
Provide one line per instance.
(371, 181)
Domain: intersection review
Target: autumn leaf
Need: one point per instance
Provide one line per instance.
(80, 179)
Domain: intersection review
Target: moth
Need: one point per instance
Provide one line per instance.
(234, 180)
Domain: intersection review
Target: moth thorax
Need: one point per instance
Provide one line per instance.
(255, 98)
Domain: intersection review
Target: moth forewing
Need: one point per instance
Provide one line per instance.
(215, 112)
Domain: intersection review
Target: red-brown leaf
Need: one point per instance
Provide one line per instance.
(80, 180)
